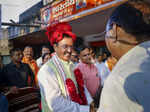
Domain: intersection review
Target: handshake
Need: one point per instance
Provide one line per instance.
(92, 107)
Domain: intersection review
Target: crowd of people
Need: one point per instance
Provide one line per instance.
(73, 79)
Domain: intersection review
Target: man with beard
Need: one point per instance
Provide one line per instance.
(62, 90)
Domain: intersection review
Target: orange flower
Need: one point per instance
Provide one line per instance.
(111, 61)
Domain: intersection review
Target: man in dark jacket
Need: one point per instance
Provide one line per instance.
(17, 74)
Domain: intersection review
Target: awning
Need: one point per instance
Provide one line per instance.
(34, 38)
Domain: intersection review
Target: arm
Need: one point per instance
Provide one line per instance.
(51, 92)
(114, 98)
(2, 80)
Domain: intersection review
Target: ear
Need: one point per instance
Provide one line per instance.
(55, 47)
(114, 32)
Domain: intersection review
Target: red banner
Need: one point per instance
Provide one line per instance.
(65, 8)
(61, 10)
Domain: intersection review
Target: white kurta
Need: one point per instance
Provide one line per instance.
(51, 92)
(39, 62)
(103, 71)
(127, 88)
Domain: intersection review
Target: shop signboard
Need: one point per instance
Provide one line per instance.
(54, 13)
(45, 16)
(61, 10)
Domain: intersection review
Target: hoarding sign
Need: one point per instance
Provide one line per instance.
(51, 15)
(65, 8)
(45, 16)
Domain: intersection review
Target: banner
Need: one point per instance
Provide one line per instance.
(61, 10)
(52, 14)
(45, 16)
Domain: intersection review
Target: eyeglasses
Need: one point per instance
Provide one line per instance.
(66, 47)
(116, 38)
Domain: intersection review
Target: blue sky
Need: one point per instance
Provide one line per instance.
(12, 8)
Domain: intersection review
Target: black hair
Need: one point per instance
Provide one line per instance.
(79, 41)
(130, 19)
(81, 48)
(45, 46)
(12, 51)
(27, 47)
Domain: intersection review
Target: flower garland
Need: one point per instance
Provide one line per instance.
(75, 96)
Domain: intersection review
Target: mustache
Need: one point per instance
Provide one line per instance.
(67, 53)
(29, 54)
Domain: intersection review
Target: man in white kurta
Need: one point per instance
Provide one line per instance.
(103, 71)
(53, 75)
(127, 88)
(52, 97)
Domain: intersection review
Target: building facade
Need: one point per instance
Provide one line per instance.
(29, 17)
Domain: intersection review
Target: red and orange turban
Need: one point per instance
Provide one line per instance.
(55, 33)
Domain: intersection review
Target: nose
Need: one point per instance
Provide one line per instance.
(69, 49)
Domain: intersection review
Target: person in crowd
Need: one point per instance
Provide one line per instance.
(1, 67)
(45, 49)
(60, 87)
(104, 68)
(104, 57)
(93, 56)
(1, 63)
(74, 57)
(45, 58)
(28, 59)
(3, 99)
(128, 39)
(3, 103)
(15, 75)
(100, 58)
(89, 71)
